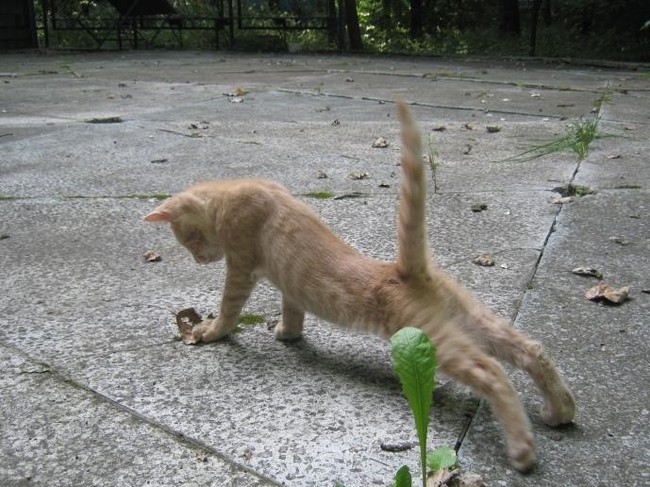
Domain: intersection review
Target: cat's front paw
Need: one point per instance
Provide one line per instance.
(522, 454)
(285, 333)
(209, 330)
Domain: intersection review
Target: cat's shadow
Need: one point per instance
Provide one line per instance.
(369, 367)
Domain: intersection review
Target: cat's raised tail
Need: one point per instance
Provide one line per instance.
(413, 254)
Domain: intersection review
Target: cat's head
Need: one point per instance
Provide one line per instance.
(192, 224)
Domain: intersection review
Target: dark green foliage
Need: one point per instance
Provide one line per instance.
(587, 29)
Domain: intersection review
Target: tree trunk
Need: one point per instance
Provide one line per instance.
(417, 12)
(352, 22)
(534, 16)
(547, 13)
(510, 23)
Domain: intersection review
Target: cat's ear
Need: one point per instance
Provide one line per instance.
(175, 207)
(158, 215)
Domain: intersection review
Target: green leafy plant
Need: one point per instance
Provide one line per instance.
(414, 362)
(402, 478)
(442, 458)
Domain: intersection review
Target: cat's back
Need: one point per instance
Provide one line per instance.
(233, 187)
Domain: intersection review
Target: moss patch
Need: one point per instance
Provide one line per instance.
(143, 197)
(251, 319)
(105, 120)
(319, 195)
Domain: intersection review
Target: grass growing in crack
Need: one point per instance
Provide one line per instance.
(573, 190)
(7, 198)
(434, 161)
(577, 138)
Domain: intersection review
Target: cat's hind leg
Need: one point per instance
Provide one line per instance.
(293, 318)
(509, 345)
(464, 362)
(236, 291)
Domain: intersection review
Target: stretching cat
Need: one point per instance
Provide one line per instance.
(263, 232)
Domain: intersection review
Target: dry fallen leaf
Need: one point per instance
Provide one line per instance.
(236, 99)
(484, 260)
(321, 175)
(358, 175)
(185, 320)
(239, 91)
(605, 292)
(380, 143)
(441, 477)
(470, 480)
(152, 256)
(560, 200)
(587, 271)
(493, 129)
(620, 240)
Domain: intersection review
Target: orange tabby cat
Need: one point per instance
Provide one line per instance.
(263, 232)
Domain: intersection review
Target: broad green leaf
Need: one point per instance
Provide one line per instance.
(414, 361)
(443, 457)
(402, 478)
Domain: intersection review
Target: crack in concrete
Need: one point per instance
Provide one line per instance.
(178, 436)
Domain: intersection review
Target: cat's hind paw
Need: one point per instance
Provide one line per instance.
(560, 411)
(284, 333)
(522, 455)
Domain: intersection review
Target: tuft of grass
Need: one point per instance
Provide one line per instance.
(574, 190)
(577, 139)
(434, 161)
(7, 198)
(319, 195)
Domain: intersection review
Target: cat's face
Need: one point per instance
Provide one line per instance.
(193, 238)
(192, 226)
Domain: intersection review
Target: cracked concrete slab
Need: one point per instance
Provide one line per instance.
(97, 388)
